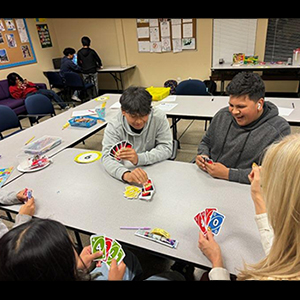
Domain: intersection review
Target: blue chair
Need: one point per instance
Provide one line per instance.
(75, 82)
(38, 106)
(8, 120)
(191, 87)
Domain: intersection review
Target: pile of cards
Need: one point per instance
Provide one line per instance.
(144, 193)
(209, 219)
(132, 192)
(110, 247)
(147, 191)
(115, 150)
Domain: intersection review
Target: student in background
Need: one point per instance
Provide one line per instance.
(89, 61)
(20, 88)
(275, 191)
(238, 134)
(146, 128)
(26, 211)
(67, 65)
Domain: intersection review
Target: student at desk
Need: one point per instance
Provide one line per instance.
(26, 210)
(146, 128)
(275, 191)
(238, 135)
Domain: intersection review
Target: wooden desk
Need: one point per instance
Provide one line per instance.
(85, 198)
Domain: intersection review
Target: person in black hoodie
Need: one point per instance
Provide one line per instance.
(89, 61)
(239, 134)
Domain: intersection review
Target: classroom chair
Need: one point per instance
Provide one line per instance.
(38, 106)
(74, 82)
(8, 120)
(192, 87)
(56, 81)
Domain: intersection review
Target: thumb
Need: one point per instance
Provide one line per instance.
(209, 235)
(96, 255)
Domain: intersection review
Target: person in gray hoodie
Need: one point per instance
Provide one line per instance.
(146, 128)
(239, 134)
(26, 210)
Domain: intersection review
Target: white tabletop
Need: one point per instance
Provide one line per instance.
(115, 68)
(85, 197)
(229, 66)
(208, 106)
(12, 146)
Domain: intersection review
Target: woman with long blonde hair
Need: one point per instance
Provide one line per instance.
(275, 190)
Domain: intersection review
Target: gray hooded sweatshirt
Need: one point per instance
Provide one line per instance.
(152, 145)
(237, 147)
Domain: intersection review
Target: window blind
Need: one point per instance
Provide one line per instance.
(282, 38)
(233, 36)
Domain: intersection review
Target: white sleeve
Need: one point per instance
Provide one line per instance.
(265, 230)
(218, 274)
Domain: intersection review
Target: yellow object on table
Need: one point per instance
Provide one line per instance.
(158, 93)
(162, 232)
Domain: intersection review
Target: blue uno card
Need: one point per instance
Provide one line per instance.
(216, 222)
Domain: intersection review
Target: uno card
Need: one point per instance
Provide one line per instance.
(216, 222)
(108, 242)
(208, 160)
(128, 145)
(98, 244)
(115, 247)
(208, 213)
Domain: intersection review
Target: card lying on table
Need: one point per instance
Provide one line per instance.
(209, 219)
(110, 247)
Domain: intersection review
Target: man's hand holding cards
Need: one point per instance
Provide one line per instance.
(116, 151)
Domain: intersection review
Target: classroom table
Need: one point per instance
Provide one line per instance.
(11, 147)
(270, 71)
(85, 198)
(205, 107)
(116, 72)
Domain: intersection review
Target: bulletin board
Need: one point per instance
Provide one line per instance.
(166, 35)
(15, 44)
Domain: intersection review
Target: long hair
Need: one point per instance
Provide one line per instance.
(280, 181)
(38, 250)
(12, 77)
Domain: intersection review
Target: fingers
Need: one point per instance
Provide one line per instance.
(139, 176)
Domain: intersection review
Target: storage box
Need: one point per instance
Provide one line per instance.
(85, 121)
(42, 145)
(158, 93)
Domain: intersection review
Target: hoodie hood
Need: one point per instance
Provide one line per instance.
(270, 111)
(85, 52)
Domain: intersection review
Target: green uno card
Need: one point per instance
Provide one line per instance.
(113, 252)
(98, 244)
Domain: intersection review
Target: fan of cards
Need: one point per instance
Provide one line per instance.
(115, 150)
(144, 193)
(209, 219)
(110, 247)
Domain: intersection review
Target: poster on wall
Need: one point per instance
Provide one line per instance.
(166, 35)
(15, 44)
(44, 35)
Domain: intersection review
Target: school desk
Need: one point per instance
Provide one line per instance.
(85, 198)
(226, 71)
(11, 147)
(205, 107)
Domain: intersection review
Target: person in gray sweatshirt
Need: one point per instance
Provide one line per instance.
(26, 210)
(146, 128)
(239, 134)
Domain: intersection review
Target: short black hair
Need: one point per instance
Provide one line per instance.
(247, 83)
(85, 41)
(136, 101)
(68, 51)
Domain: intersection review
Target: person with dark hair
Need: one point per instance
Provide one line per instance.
(146, 128)
(238, 134)
(67, 65)
(20, 88)
(89, 61)
(41, 250)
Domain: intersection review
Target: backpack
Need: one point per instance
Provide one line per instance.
(211, 86)
(172, 84)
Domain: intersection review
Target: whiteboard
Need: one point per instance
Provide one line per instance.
(233, 36)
